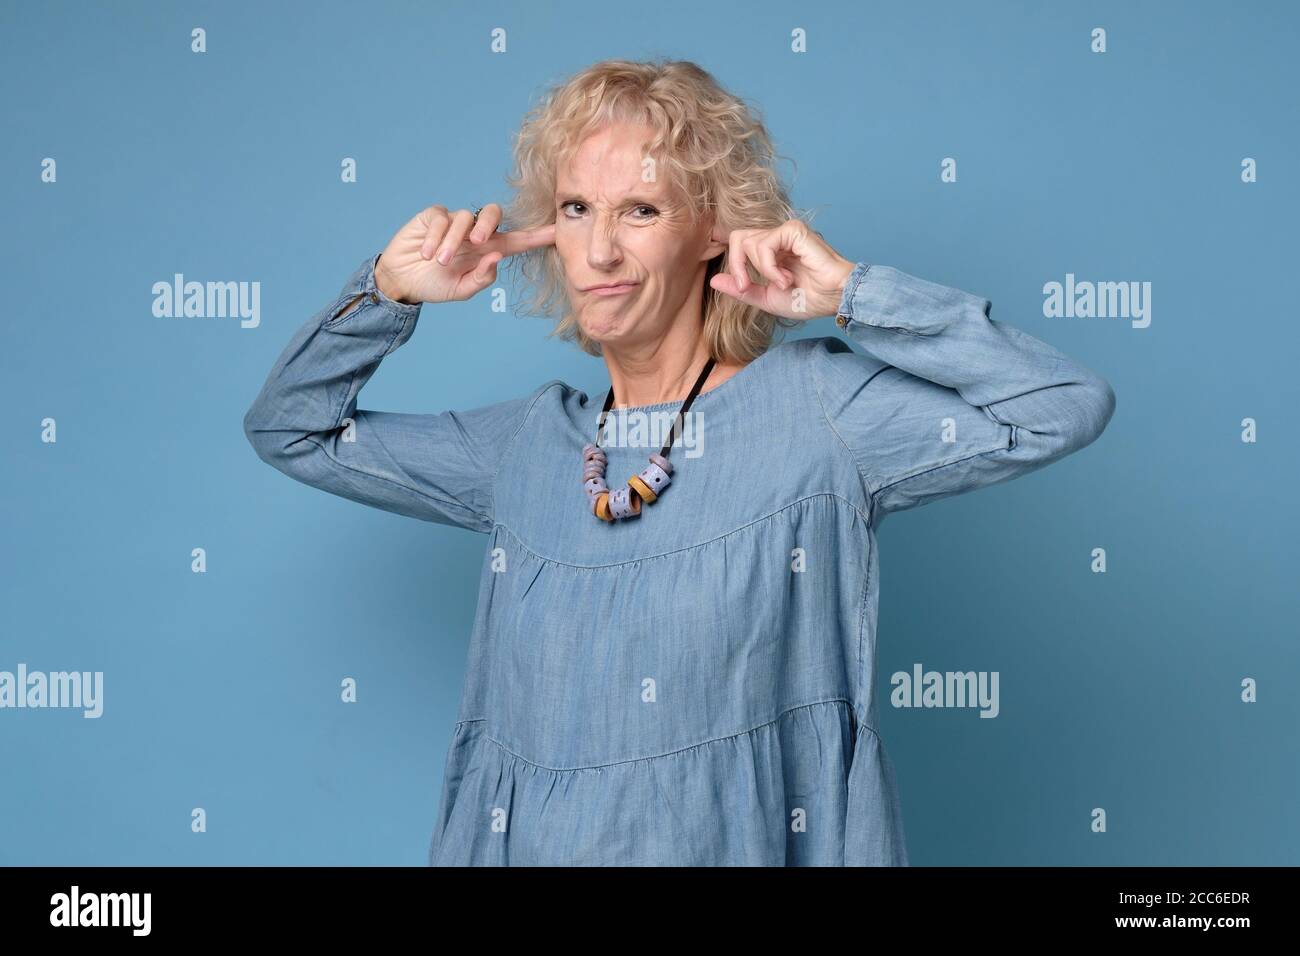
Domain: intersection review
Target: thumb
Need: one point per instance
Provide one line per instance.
(755, 294)
(485, 273)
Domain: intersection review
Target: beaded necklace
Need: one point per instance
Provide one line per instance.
(649, 485)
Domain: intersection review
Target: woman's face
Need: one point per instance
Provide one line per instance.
(613, 227)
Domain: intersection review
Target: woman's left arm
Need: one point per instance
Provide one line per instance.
(948, 399)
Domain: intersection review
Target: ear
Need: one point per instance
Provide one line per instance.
(713, 250)
(717, 243)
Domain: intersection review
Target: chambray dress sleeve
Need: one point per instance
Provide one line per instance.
(305, 421)
(947, 399)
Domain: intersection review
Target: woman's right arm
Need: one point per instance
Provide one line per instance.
(305, 421)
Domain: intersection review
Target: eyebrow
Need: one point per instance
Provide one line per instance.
(629, 201)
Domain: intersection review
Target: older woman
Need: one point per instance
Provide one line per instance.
(673, 655)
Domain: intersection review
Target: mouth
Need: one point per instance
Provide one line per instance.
(611, 288)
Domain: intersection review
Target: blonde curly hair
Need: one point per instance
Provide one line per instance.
(712, 146)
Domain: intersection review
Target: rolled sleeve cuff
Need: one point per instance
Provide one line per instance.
(849, 306)
(362, 284)
(882, 297)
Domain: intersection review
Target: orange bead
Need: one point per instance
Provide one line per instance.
(602, 507)
(642, 489)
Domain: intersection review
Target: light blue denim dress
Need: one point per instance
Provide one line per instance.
(694, 686)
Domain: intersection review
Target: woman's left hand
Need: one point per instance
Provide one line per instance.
(805, 276)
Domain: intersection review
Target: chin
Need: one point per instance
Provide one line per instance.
(601, 332)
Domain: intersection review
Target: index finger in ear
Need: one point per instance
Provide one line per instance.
(521, 240)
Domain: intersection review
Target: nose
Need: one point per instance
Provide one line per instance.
(602, 245)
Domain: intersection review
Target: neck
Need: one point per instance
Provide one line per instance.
(664, 370)
(659, 375)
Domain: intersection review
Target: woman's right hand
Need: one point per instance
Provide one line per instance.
(409, 270)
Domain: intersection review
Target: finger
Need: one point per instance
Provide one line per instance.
(785, 255)
(485, 273)
(436, 221)
(736, 259)
(762, 252)
(473, 281)
(480, 277)
(461, 222)
(521, 240)
(489, 217)
(755, 295)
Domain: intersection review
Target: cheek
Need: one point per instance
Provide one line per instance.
(660, 250)
(565, 250)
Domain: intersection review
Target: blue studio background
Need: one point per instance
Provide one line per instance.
(1119, 690)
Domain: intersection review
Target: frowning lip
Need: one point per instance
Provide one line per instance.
(611, 288)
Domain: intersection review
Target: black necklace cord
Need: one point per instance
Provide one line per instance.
(686, 405)
(681, 412)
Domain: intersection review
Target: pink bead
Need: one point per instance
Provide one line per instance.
(620, 505)
(663, 463)
(655, 477)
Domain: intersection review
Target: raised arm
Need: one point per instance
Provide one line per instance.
(948, 399)
(305, 421)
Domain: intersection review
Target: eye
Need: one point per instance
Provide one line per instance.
(644, 212)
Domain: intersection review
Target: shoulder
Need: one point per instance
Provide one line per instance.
(556, 389)
(548, 397)
(830, 363)
(554, 400)
(499, 421)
